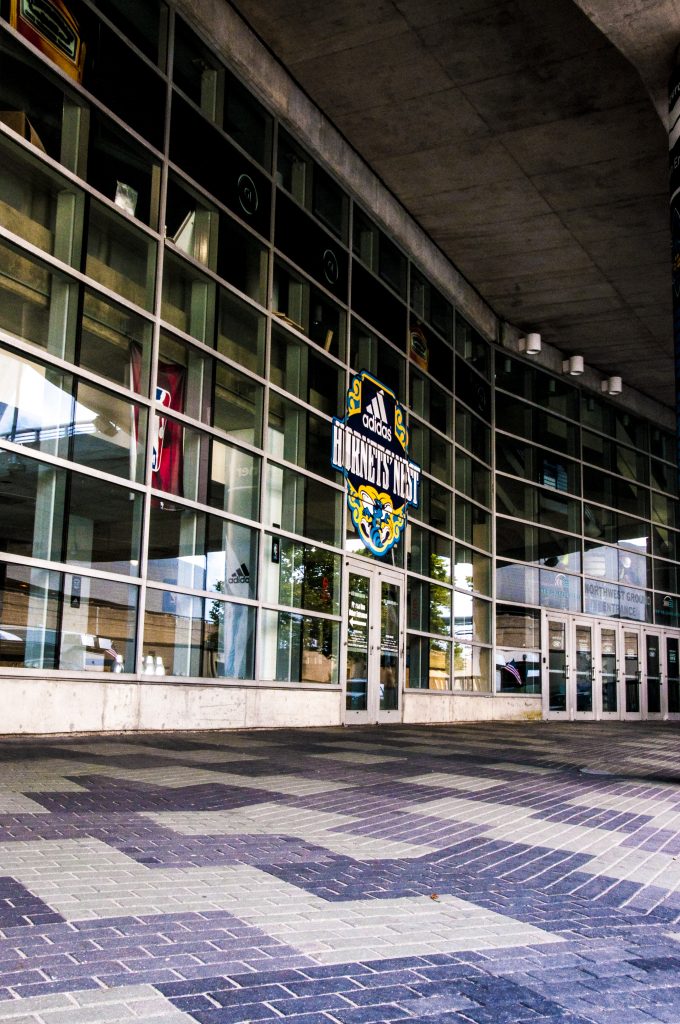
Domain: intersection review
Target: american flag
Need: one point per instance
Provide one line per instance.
(511, 667)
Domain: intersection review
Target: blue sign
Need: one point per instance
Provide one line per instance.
(370, 447)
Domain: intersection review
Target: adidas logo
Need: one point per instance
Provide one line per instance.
(240, 575)
(375, 417)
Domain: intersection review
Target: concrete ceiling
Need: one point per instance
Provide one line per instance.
(524, 142)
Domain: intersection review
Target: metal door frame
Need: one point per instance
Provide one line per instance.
(376, 573)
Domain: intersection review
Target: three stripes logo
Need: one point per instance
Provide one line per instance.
(240, 575)
(375, 417)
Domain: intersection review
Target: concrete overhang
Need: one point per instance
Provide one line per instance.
(524, 141)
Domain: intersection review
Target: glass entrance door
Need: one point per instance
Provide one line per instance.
(556, 659)
(609, 669)
(632, 672)
(652, 694)
(583, 697)
(373, 644)
(673, 675)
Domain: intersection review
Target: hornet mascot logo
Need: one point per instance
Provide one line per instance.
(370, 447)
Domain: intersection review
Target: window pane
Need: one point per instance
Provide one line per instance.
(234, 480)
(237, 407)
(518, 671)
(36, 304)
(304, 373)
(36, 405)
(242, 260)
(298, 436)
(471, 668)
(299, 648)
(300, 505)
(188, 301)
(98, 625)
(31, 507)
(108, 433)
(369, 352)
(104, 525)
(517, 583)
(517, 627)
(120, 258)
(472, 618)
(29, 610)
(429, 554)
(31, 202)
(115, 343)
(173, 635)
(428, 663)
(240, 332)
(303, 577)
(472, 571)
(557, 590)
(473, 526)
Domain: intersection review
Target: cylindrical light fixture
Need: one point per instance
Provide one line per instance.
(530, 344)
(612, 386)
(573, 365)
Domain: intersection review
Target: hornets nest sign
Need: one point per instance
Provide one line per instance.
(370, 447)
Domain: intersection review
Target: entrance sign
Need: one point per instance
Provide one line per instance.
(370, 447)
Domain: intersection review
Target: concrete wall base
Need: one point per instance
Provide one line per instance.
(50, 706)
(80, 705)
(427, 706)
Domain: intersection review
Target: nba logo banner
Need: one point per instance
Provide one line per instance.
(370, 448)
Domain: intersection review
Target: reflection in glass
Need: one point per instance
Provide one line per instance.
(31, 507)
(304, 373)
(200, 637)
(518, 671)
(389, 646)
(358, 626)
(631, 670)
(429, 554)
(115, 343)
(29, 610)
(471, 668)
(303, 577)
(473, 525)
(190, 549)
(298, 436)
(558, 590)
(240, 332)
(301, 505)
(46, 411)
(98, 625)
(119, 257)
(517, 627)
(516, 583)
(234, 480)
(557, 666)
(610, 670)
(237, 405)
(369, 352)
(36, 304)
(472, 618)
(429, 663)
(104, 525)
(299, 648)
(188, 301)
(584, 669)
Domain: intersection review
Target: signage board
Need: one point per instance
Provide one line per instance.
(370, 447)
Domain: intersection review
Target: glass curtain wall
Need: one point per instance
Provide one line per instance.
(186, 294)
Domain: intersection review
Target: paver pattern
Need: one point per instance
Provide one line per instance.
(482, 874)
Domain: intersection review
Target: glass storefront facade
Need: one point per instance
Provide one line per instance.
(186, 295)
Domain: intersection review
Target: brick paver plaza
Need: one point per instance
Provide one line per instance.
(484, 874)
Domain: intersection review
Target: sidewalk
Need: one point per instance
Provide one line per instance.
(493, 874)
